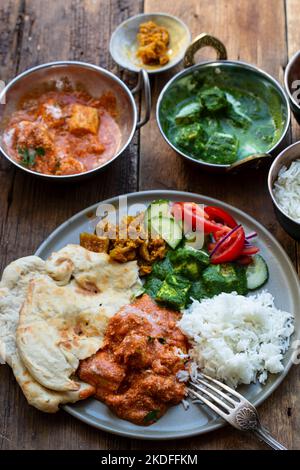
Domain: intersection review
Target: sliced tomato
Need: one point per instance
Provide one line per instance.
(194, 217)
(220, 233)
(249, 251)
(244, 260)
(220, 215)
(211, 247)
(231, 248)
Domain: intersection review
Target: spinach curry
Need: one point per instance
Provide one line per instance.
(221, 117)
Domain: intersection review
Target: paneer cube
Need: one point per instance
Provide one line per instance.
(83, 119)
(174, 291)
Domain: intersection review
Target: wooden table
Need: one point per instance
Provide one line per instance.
(262, 32)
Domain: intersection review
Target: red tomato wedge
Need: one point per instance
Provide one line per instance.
(219, 215)
(194, 217)
(249, 251)
(230, 249)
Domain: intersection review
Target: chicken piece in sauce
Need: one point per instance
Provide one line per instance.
(33, 135)
(134, 373)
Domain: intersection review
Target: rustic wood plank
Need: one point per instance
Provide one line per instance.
(293, 32)
(31, 209)
(10, 32)
(246, 27)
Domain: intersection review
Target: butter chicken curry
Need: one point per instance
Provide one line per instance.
(135, 372)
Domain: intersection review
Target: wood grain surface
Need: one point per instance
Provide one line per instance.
(262, 32)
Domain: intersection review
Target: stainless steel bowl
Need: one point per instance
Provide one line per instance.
(292, 84)
(285, 158)
(239, 71)
(96, 81)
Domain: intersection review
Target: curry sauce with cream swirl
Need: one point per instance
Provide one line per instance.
(135, 372)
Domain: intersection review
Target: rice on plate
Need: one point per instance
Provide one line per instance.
(238, 339)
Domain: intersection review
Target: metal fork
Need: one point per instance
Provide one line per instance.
(231, 406)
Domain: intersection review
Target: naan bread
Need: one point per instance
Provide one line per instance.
(13, 290)
(60, 325)
(42, 398)
(92, 271)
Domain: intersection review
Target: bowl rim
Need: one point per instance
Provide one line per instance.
(271, 183)
(87, 65)
(216, 63)
(161, 69)
(286, 77)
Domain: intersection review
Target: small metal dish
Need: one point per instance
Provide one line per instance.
(123, 44)
(285, 158)
(238, 73)
(96, 81)
(292, 84)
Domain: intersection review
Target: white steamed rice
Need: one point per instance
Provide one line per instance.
(287, 190)
(238, 339)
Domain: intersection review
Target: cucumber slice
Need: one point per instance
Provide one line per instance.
(257, 273)
(159, 208)
(168, 229)
(194, 240)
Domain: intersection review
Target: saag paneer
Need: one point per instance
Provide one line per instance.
(219, 124)
(187, 274)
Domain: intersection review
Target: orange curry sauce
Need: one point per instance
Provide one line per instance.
(63, 132)
(135, 371)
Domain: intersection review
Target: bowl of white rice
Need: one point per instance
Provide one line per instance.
(284, 189)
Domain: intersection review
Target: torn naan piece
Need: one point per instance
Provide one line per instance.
(58, 326)
(42, 398)
(62, 324)
(13, 290)
(92, 271)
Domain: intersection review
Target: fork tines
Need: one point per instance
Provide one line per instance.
(212, 394)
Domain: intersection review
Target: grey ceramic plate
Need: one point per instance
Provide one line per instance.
(178, 423)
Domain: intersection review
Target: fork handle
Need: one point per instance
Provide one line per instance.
(265, 436)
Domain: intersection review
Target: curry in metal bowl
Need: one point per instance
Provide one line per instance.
(65, 121)
(221, 113)
(63, 131)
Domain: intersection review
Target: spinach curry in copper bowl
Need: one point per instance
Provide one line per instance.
(222, 114)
